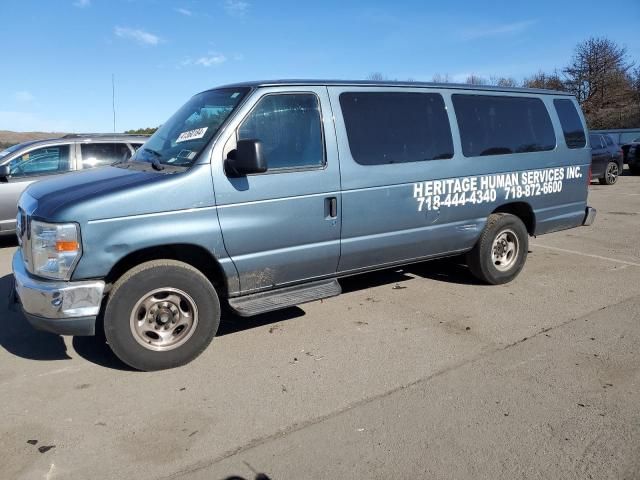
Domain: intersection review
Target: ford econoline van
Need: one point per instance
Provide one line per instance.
(262, 195)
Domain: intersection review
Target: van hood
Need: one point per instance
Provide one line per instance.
(111, 192)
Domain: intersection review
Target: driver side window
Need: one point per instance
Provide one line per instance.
(289, 127)
(42, 161)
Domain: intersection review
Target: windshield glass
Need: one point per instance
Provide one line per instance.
(181, 139)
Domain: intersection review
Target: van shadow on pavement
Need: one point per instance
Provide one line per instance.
(19, 338)
(7, 241)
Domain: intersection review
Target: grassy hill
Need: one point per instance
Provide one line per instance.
(8, 137)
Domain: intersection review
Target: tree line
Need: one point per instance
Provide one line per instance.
(142, 131)
(600, 74)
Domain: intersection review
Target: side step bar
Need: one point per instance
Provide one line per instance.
(284, 297)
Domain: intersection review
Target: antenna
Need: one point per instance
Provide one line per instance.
(113, 100)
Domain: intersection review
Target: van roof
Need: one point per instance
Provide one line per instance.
(375, 83)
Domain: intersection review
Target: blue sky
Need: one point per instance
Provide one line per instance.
(58, 55)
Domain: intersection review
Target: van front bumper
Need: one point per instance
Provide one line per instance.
(589, 216)
(65, 308)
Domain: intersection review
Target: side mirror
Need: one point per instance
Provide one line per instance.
(5, 171)
(246, 159)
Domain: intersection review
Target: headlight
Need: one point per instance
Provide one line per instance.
(55, 249)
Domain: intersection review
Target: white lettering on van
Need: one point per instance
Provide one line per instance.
(474, 190)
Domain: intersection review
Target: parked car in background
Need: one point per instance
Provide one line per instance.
(25, 163)
(606, 159)
(633, 156)
(623, 137)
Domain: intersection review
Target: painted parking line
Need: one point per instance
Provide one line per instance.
(599, 257)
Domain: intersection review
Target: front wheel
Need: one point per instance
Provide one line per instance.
(161, 314)
(611, 174)
(501, 251)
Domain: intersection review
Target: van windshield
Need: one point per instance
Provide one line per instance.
(182, 138)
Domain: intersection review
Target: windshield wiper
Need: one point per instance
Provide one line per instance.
(155, 163)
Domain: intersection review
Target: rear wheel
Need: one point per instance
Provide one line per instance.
(161, 314)
(611, 174)
(501, 250)
(634, 169)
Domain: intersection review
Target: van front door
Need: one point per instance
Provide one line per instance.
(282, 226)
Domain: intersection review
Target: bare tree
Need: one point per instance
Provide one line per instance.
(474, 79)
(596, 69)
(376, 77)
(549, 81)
(437, 78)
(502, 81)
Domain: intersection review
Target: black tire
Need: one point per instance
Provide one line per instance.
(634, 169)
(611, 174)
(196, 305)
(480, 259)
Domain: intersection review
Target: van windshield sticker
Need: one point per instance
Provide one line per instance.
(454, 192)
(188, 154)
(192, 134)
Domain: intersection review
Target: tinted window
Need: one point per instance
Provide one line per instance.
(498, 125)
(101, 154)
(41, 161)
(390, 127)
(289, 128)
(571, 124)
(608, 139)
(594, 140)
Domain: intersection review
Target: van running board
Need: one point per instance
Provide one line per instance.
(284, 297)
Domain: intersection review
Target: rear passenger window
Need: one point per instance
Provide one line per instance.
(390, 127)
(500, 125)
(607, 139)
(571, 124)
(101, 154)
(288, 125)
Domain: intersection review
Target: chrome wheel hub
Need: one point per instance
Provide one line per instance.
(504, 250)
(612, 173)
(164, 319)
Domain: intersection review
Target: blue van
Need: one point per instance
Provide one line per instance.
(264, 194)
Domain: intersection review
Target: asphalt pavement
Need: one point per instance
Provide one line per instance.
(418, 372)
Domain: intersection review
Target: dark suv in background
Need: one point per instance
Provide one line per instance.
(25, 163)
(606, 159)
(633, 156)
(624, 138)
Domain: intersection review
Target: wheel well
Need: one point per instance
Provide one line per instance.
(194, 255)
(523, 211)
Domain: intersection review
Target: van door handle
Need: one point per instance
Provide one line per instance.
(331, 207)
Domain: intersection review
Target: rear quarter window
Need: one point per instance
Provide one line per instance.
(396, 127)
(572, 128)
(500, 125)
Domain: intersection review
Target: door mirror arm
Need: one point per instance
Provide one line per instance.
(247, 158)
(5, 172)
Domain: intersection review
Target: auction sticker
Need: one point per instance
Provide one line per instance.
(191, 134)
